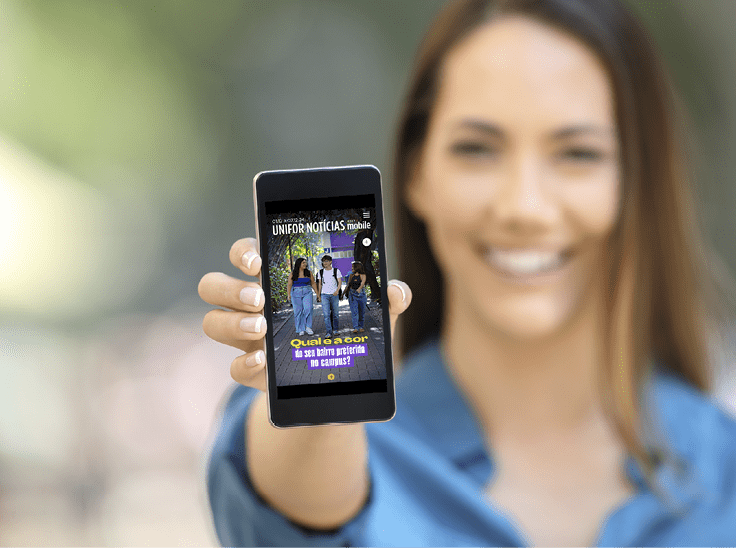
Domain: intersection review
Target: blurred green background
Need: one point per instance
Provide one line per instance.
(129, 136)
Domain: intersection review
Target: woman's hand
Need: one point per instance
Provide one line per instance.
(293, 469)
(243, 326)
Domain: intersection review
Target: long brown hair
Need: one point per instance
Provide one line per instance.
(297, 266)
(664, 289)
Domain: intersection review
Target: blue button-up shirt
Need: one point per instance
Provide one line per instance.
(429, 466)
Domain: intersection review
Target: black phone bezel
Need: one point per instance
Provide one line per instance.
(330, 182)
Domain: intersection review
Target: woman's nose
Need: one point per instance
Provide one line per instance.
(524, 198)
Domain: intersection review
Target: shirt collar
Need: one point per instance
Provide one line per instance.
(426, 388)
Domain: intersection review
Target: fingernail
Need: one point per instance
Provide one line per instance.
(251, 295)
(256, 359)
(253, 325)
(403, 293)
(248, 258)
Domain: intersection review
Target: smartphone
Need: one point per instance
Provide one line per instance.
(325, 219)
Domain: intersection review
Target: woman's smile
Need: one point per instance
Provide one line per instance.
(526, 266)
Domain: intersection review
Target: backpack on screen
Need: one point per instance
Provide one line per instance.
(334, 273)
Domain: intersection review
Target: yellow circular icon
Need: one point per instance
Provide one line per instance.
(331, 376)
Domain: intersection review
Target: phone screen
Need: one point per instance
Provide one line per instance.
(346, 354)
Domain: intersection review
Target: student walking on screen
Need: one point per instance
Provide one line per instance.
(329, 283)
(356, 296)
(299, 289)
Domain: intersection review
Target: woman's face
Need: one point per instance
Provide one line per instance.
(518, 181)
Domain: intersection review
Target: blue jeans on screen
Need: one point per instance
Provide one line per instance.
(357, 307)
(301, 300)
(330, 311)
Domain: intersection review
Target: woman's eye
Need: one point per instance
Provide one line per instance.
(582, 155)
(472, 148)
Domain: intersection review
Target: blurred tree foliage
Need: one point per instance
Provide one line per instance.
(168, 109)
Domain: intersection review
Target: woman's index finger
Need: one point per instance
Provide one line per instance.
(244, 256)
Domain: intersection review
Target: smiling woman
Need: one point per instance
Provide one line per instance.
(519, 183)
(541, 171)
(555, 385)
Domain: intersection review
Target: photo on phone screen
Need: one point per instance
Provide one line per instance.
(334, 360)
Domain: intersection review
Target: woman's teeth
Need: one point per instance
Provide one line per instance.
(525, 263)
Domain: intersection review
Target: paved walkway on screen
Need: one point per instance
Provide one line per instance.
(368, 367)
